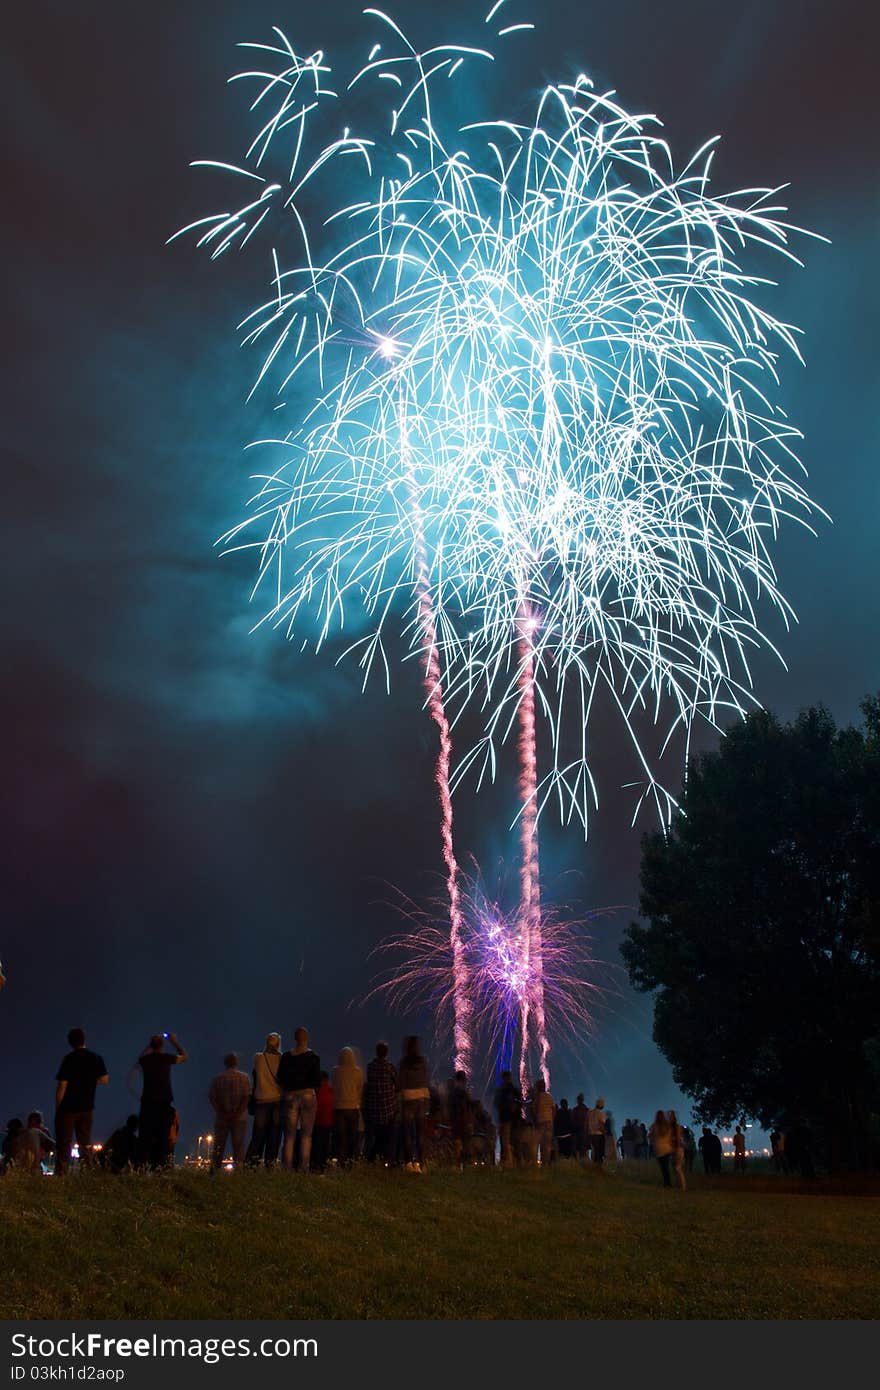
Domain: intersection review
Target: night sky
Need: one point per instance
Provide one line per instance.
(202, 825)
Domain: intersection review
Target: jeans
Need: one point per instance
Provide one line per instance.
(413, 1130)
(597, 1144)
(298, 1113)
(266, 1133)
(67, 1124)
(224, 1127)
(665, 1161)
(347, 1134)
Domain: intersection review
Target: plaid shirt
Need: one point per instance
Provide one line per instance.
(380, 1092)
(230, 1092)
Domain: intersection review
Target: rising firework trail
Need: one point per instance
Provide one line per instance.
(591, 385)
(530, 863)
(433, 686)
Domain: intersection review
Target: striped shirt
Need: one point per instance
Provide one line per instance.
(230, 1092)
(380, 1092)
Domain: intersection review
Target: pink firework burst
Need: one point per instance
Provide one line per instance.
(505, 978)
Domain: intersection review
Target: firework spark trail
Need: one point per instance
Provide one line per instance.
(433, 685)
(530, 864)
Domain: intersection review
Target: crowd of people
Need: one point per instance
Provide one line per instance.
(303, 1117)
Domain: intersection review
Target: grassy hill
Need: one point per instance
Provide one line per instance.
(564, 1243)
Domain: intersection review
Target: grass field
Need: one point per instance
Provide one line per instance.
(565, 1243)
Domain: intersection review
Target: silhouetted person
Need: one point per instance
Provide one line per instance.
(380, 1106)
(121, 1149)
(718, 1151)
(662, 1142)
(47, 1143)
(676, 1134)
(690, 1148)
(299, 1076)
(597, 1131)
(322, 1134)
(228, 1096)
(461, 1118)
(415, 1094)
(627, 1143)
(643, 1148)
(21, 1147)
(266, 1103)
(544, 1116)
(564, 1130)
(580, 1118)
(508, 1108)
(706, 1145)
(79, 1074)
(485, 1135)
(777, 1147)
(348, 1089)
(739, 1151)
(157, 1099)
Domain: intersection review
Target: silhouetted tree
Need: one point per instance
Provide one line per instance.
(762, 941)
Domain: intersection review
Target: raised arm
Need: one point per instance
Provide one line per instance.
(182, 1054)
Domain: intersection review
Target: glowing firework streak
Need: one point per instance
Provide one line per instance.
(433, 685)
(530, 865)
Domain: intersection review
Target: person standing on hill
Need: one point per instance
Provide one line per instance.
(508, 1108)
(157, 1099)
(643, 1148)
(544, 1116)
(80, 1073)
(461, 1119)
(580, 1118)
(597, 1131)
(380, 1107)
(322, 1134)
(348, 1091)
(564, 1130)
(739, 1151)
(662, 1143)
(299, 1076)
(228, 1096)
(266, 1104)
(415, 1093)
(676, 1134)
(690, 1148)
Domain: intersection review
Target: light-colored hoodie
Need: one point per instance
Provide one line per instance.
(348, 1082)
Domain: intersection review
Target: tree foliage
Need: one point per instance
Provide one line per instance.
(762, 906)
